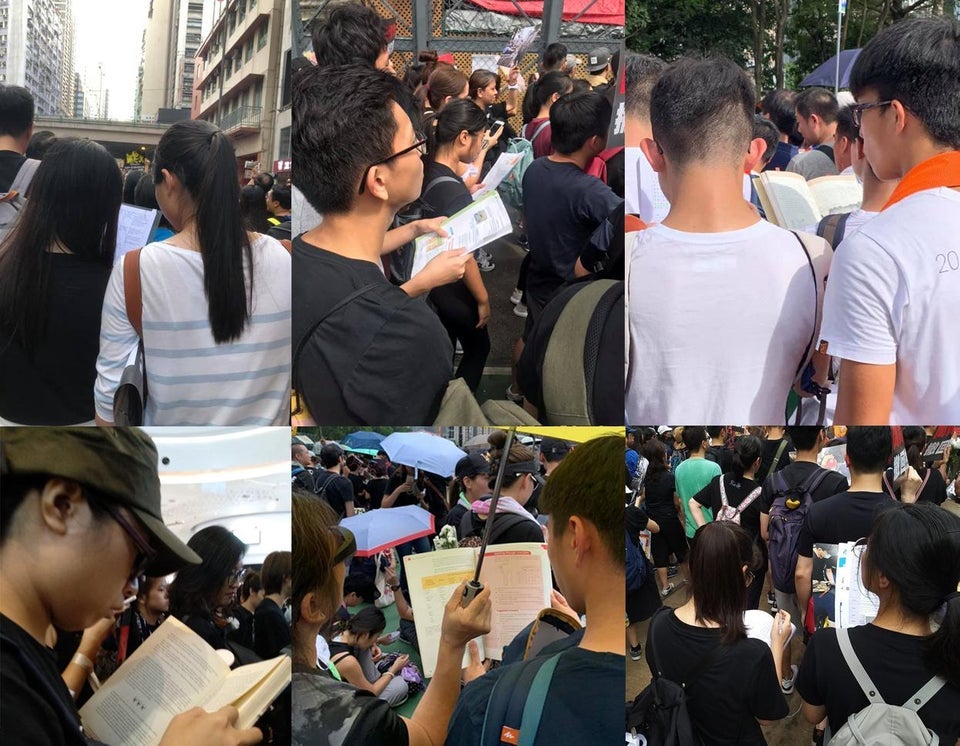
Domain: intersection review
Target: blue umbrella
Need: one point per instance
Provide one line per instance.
(362, 439)
(423, 451)
(826, 74)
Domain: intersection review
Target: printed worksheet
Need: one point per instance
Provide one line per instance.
(472, 228)
(497, 173)
(134, 227)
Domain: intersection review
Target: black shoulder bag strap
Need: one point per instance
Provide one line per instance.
(302, 342)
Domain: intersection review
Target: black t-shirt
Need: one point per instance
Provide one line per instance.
(658, 492)
(726, 700)
(375, 489)
(798, 473)
(844, 517)
(54, 384)
(894, 661)
(327, 711)
(10, 162)
(934, 489)
(336, 490)
(214, 635)
(562, 206)
(244, 634)
(36, 709)
(722, 456)
(768, 453)
(446, 197)
(737, 491)
(271, 632)
(356, 481)
(636, 520)
(383, 358)
(582, 705)
(404, 498)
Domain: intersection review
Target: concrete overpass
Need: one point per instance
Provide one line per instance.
(120, 138)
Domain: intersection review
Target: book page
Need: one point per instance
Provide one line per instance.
(653, 203)
(794, 207)
(518, 576)
(432, 578)
(134, 227)
(252, 688)
(173, 671)
(823, 584)
(472, 228)
(497, 173)
(836, 194)
(759, 625)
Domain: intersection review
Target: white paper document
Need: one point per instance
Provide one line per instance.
(134, 227)
(472, 228)
(518, 576)
(497, 173)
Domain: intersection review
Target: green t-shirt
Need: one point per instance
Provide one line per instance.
(692, 476)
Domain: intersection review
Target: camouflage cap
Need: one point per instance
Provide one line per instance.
(115, 462)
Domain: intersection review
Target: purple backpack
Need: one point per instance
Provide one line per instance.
(789, 508)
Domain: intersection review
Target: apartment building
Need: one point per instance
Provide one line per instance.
(31, 49)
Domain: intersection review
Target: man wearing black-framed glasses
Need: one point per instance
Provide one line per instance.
(366, 351)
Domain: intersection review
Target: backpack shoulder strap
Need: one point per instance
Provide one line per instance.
(503, 522)
(777, 455)
(536, 132)
(816, 307)
(827, 229)
(748, 500)
(657, 671)
(506, 706)
(536, 697)
(466, 524)
(840, 230)
(132, 290)
(21, 182)
(856, 667)
(439, 180)
(723, 494)
(927, 692)
(814, 480)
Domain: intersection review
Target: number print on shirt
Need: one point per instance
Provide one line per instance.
(949, 262)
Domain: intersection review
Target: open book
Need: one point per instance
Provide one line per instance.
(172, 672)
(473, 227)
(792, 202)
(518, 576)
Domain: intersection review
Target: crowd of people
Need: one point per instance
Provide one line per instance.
(341, 696)
(206, 300)
(874, 345)
(726, 506)
(383, 159)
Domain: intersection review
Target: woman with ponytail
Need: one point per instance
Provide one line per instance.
(215, 299)
(911, 561)
(742, 491)
(463, 306)
(932, 487)
(540, 97)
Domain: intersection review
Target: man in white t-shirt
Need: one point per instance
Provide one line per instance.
(712, 251)
(893, 298)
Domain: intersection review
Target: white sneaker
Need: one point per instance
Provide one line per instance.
(786, 685)
(516, 296)
(520, 310)
(668, 590)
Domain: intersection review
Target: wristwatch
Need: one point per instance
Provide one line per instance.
(394, 588)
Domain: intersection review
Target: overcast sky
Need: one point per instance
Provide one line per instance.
(110, 33)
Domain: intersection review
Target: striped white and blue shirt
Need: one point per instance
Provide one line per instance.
(191, 380)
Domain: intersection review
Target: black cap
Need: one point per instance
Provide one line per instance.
(471, 465)
(553, 449)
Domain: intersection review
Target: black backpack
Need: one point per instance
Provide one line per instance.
(401, 260)
(503, 522)
(659, 712)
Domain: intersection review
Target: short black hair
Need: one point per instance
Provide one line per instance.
(281, 195)
(344, 124)
(869, 448)
(845, 126)
(694, 436)
(330, 455)
(16, 110)
(763, 127)
(554, 56)
(781, 107)
(350, 34)
(803, 437)
(577, 117)
(916, 62)
(818, 101)
(40, 143)
(642, 72)
(702, 109)
(264, 180)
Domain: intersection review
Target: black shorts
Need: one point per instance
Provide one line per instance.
(671, 539)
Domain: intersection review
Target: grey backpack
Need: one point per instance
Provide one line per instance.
(14, 199)
(879, 722)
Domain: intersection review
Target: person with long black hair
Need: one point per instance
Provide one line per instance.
(739, 688)
(201, 595)
(539, 100)
(463, 306)
(215, 299)
(54, 268)
(911, 561)
(933, 487)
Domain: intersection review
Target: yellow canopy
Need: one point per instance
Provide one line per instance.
(573, 434)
